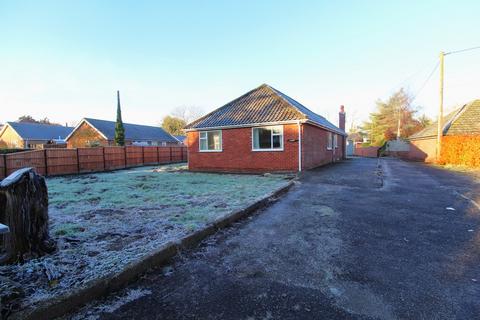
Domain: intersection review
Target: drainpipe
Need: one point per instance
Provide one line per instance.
(299, 146)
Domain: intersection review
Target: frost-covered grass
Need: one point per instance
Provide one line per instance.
(104, 221)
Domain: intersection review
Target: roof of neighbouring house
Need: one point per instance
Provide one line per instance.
(462, 121)
(132, 131)
(181, 138)
(261, 105)
(38, 131)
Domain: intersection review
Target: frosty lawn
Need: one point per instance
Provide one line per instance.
(104, 221)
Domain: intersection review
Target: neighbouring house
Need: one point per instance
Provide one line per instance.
(93, 132)
(181, 138)
(264, 130)
(33, 135)
(460, 137)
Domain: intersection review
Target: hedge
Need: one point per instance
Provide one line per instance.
(461, 150)
(12, 150)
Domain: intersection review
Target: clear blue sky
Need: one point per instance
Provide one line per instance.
(66, 59)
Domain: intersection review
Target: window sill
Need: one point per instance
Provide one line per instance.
(329, 149)
(210, 150)
(266, 150)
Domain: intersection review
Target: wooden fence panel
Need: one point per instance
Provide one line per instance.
(90, 159)
(34, 159)
(184, 154)
(164, 155)
(61, 161)
(134, 156)
(114, 158)
(176, 154)
(72, 161)
(2, 166)
(150, 155)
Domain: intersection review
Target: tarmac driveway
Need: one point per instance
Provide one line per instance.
(350, 241)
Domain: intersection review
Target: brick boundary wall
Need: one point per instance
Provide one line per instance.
(369, 152)
(51, 162)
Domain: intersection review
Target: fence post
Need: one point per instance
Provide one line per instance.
(125, 152)
(78, 161)
(103, 153)
(158, 155)
(143, 155)
(5, 164)
(46, 162)
(171, 160)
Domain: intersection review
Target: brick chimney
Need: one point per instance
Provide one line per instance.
(341, 118)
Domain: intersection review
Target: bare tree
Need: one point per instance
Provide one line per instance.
(187, 113)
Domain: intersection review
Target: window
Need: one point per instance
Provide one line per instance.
(329, 141)
(267, 138)
(210, 141)
(335, 141)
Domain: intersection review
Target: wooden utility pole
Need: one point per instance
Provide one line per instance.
(440, 110)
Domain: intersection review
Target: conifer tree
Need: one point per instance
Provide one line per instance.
(119, 129)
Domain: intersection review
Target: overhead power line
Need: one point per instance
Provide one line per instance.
(462, 50)
(426, 81)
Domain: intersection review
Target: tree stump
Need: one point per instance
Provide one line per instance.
(24, 209)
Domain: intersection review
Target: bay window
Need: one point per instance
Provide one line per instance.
(267, 138)
(210, 141)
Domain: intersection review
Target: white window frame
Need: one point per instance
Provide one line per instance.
(329, 141)
(206, 137)
(271, 138)
(335, 140)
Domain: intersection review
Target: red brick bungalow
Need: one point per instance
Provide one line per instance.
(460, 139)
(264, 130)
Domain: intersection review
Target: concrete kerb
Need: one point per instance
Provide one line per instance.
(59, 306)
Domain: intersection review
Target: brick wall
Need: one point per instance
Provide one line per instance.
(423, 150)
(314, 147)
(84, 136)
(237, 154)
(11, 139)
(368, 152)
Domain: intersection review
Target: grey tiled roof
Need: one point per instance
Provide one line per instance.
(467, 121)
(132, 131)
(462, 121)
(181, 138)
(260, 105)
(37, 131)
